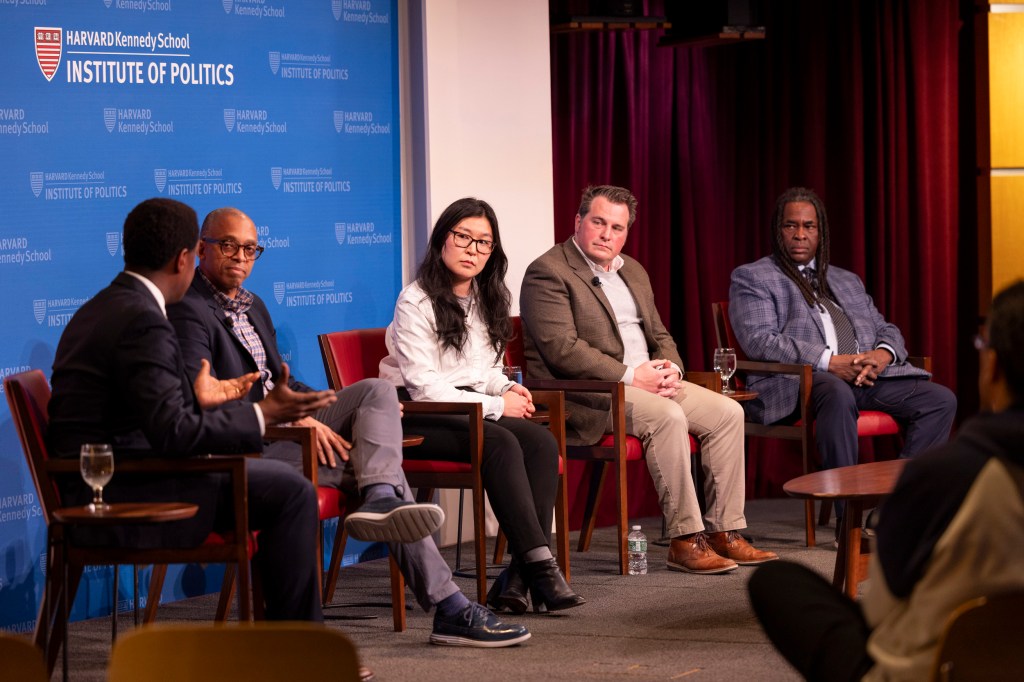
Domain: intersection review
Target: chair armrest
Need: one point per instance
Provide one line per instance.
(305, 436)
(572, 385)
(709, 380)
(921, 361)
(760, 367)
(426, 407)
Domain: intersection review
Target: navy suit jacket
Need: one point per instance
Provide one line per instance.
(773, 323)
(119, 378)
(205, 332)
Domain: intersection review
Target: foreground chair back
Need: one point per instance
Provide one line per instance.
(28, 396)
(22, 660)
(611, 452)
(870, 423)
(254, 652)
(982, 641)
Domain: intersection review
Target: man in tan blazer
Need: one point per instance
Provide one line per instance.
(588, 313)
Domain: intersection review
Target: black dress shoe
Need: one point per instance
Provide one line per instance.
(508, 591)
(477, 627)
(548, 587)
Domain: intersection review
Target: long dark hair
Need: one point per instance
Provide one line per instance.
(492, 295)
(821, 255)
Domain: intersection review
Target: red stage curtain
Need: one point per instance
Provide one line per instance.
(857, 100)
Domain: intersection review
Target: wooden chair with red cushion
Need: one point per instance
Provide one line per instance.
(870, 423)
(351, 356)
(615, 448)
(28, 396)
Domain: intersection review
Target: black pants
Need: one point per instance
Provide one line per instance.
(519, 470)
(820, 631)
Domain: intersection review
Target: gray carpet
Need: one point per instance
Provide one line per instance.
(663, 626)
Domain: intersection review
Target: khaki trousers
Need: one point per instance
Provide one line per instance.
(663, 425)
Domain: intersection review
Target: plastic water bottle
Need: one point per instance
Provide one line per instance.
(637, 545)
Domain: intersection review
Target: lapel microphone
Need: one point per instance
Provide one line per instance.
(596, 281)
(229, 323)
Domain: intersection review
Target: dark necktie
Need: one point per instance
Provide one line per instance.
(845, 335)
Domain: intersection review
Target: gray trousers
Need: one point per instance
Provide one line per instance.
(367, 415)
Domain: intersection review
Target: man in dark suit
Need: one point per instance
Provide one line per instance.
(588, 313)
(794, 307)
(359, 436)
(118, 378)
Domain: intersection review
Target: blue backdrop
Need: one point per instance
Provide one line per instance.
(286, 109)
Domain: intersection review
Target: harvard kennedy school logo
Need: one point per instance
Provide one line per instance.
(49, 42)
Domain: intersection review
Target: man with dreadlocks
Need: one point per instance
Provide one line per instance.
(793, 307)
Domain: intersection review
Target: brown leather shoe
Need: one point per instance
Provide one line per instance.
(731, 544)
(693, 555)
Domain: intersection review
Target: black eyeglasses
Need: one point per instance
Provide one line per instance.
(463, 240)
(229, 247)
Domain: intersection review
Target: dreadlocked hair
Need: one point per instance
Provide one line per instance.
(810, 293)
(492, 296)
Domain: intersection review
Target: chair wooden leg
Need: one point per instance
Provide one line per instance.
(500, 543)
(562, 525)
(397, 595)
(622, 520)
(227, 592)
(480, 542)
(49, 633)
(331, 583)
(156, 586)
(425, 495)
(809, 522)
(597, 476)
(258, 606)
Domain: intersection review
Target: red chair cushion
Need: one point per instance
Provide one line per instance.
(634, 448)
(331, 502)
(228, 536)
(871, 423)
(436, 466)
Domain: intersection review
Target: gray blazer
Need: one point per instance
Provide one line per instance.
(773, 323)
(570, 331)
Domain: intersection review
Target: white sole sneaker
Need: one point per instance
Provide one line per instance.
(407, 523)
(455, 640)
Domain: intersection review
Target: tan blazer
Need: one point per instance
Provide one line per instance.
(570, 331)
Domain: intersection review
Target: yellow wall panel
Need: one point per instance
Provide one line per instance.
(1006, 88)
(1007, 230)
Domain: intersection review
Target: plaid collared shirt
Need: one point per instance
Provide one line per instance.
(235, 309)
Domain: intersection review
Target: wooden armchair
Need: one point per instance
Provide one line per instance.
(28, 396)
(869, 424)
(613, 450)
(351, 356)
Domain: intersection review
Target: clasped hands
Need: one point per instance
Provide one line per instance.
(860, 369)
(518, 402)
(659, 377)
(281, 406)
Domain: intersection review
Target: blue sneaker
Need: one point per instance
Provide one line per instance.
(476, 626)
(392, 519)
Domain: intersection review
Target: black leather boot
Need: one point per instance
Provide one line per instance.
(548, 587)
(514, 596)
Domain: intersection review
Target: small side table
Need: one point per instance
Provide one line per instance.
(860, 485)
(116, 513)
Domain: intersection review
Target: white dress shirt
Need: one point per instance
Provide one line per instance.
(417, 361)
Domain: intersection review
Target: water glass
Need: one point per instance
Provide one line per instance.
(514, 373)
(96, 462)
(725, 364)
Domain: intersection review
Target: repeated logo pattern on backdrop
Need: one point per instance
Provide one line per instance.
(287, 110)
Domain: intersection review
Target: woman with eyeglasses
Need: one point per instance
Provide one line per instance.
(447, 343)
